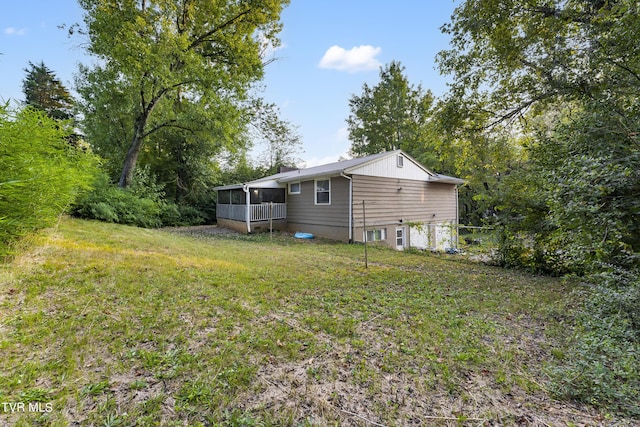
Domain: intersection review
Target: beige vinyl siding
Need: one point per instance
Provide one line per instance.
(304, 215)
(390, 202)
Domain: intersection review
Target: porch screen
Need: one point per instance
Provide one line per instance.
(238, 197)
(224, 197)
(266, 195)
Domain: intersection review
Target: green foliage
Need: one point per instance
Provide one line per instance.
(280, 140)
(40, 174)
(571, 69)
(106, 202)
(602, 366)
(180, 67)
(390, 115)
(510, 56)
(574, 205)
(142, 204)
(43, 91)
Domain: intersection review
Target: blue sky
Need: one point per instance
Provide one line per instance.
(330, 48)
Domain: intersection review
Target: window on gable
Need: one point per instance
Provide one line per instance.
(294, 188)
(400, 160)
(323, 192)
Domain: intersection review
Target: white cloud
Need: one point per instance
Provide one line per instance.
(11, 31)
(359, 58)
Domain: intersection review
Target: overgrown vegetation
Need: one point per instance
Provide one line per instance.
(116, 325)
(602, 366)
(142, 204)
(562, 78)
(40, 173)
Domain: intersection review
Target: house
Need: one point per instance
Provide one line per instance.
(387, 197)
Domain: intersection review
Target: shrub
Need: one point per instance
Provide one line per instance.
(106, 202)
(142, 204)
(602, 367)
(181, 215)
(40, 173)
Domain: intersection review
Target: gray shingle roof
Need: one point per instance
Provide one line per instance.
(330, 169)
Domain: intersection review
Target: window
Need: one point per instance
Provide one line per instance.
(294, 188)
(376, 235)
(400, 160)
(323, 192)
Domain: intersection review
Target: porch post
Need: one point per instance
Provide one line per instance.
(245, 187)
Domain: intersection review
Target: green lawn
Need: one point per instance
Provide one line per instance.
(110, 325)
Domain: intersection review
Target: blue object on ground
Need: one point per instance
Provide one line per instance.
(300, 235)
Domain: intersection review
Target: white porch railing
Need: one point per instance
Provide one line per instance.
(267, 211)
(261, 212)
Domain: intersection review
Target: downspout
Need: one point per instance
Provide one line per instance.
(245, 188)
(350, 206)
(457, 219)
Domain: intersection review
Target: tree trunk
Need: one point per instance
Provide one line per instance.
(132, 154)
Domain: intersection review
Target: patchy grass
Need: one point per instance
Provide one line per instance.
(116, 326)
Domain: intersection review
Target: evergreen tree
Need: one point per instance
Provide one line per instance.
(45, 92)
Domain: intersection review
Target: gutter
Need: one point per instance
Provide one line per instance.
(350, 205)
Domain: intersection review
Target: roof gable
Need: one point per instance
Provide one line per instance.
(330, 169)
(391, 166)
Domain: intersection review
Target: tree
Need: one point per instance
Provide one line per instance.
(510, 56)
(576, 197)
(518, 59)
(566, 77)
(390, 115)
(43, 91)
(202, 55)
(280, 139)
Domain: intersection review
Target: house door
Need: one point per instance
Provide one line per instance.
(400, 238)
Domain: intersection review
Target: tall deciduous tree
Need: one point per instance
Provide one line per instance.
(390, 115)
(510, 56)
(523, 59)
(44, 91)
(203, 55)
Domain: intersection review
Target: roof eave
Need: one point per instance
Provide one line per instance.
(447, 180)
(307, 177)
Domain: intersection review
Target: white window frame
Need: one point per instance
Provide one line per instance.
(379, 234)
(315, 195)
(400, 161)
(291, 191)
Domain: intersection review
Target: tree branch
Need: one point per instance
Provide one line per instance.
(198, 41)
(169, 124)
(552, 12)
